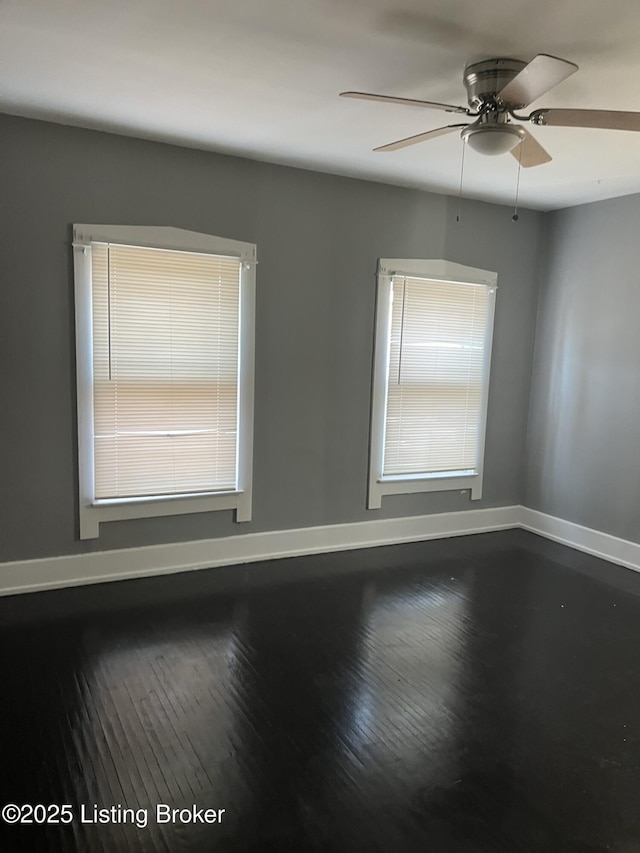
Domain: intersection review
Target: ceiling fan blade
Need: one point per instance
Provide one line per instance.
(419, 137)
(529, 152)
(602, 119)
(541, 74)
(410, 102)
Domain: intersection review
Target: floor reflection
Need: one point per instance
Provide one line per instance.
(154, 723)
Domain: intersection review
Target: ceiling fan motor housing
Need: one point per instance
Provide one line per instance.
(483, 80)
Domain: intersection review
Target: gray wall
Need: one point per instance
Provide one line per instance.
(584, 429)
(319, 238)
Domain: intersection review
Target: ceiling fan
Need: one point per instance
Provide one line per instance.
(496, 88)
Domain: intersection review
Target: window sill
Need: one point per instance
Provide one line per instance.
(94, 513)
(151, 499)
(405, 484)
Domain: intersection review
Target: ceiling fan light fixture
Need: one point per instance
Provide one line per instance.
(493, 139)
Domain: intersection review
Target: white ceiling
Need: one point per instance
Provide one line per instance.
(260, 78)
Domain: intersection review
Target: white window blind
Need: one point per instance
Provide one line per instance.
(436, 375)
(165, 371)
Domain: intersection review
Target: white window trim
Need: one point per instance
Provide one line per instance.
(380, 485)
(94, 512)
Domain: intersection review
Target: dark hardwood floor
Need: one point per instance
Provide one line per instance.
(474, 694)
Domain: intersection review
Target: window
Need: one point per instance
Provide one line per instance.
(434, 326)
(164, 337)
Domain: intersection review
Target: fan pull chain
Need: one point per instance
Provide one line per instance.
(464, 145)
(515, 216)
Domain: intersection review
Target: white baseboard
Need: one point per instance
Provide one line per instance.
(101, 566)
(603, 545)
